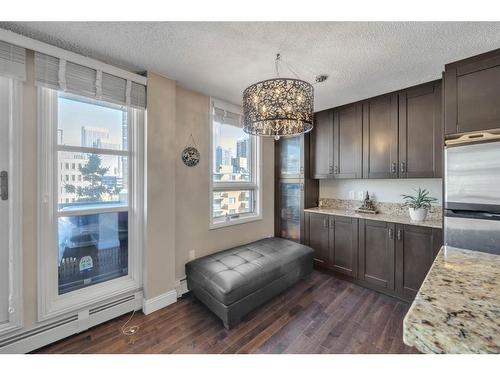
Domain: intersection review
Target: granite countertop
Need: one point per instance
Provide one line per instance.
(457, 309)
(392, 218)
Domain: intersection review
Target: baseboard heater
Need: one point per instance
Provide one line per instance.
(82, 320)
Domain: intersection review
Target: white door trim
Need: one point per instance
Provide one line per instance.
(15, 209)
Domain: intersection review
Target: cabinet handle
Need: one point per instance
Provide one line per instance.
(402, 167)
(330, 169)
(393, 168)
(391, 234)
(4, 185)
(336, 169)
(325, 222)
(332, 224)
(399, 234)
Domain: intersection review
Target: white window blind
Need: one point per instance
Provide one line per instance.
(63, 75)
(227, 117)
(12, 61)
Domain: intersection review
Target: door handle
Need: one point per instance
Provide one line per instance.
(402, 167)
(393, 168)
(4, 185)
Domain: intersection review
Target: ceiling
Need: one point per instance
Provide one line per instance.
(221, 59)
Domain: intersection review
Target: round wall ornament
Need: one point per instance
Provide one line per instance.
(190, 155)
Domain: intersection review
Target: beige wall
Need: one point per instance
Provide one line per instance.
(159, 254)
(192, 210)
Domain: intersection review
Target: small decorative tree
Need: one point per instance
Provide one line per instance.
(93, 173)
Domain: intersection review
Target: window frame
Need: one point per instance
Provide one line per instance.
(50, 303)
(15, 320)
(254, 184)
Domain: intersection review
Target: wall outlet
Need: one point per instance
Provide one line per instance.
(192, 254)
(361, 195)
(351, 194)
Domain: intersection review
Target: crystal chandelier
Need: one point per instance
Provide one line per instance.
(279, 107)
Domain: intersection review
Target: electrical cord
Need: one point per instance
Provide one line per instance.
(129, 330)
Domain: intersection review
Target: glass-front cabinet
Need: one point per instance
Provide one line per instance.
(290, 192)
(294, 189)
(291, 157)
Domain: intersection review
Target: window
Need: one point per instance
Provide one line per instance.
(96, 221)
(235, 170)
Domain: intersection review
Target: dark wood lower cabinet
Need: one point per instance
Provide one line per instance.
(390, 258)
(344, 245)
(415, 251)
(376, 253)
(335, 241)
(318, 237)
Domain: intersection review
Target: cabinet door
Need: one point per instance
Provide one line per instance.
(318, 237)
(321, 152)
(344, 245)
(380, 137)
(472, 94)
(415, 251)
(376, 253)
(348, 137)
(291, 158)
(290, 219)
(421, 132)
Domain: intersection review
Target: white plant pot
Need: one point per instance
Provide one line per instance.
(418, 214)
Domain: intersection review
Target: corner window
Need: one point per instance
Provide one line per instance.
(235, 170)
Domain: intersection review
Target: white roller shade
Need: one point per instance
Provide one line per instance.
(12, 61)
(81, 80)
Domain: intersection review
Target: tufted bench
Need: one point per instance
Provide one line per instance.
(233, 282)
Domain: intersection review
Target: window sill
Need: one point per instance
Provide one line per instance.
(243, 220)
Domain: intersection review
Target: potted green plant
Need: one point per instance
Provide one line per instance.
(418, 204)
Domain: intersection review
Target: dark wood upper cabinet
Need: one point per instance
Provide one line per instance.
(380, 137)
(376, 253)
(416, 248)
(344, 245)
(472, 94)
(321, 154)
(348, 141)
(318, 236)
(420, 131)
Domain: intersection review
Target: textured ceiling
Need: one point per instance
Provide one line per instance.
(222, 58)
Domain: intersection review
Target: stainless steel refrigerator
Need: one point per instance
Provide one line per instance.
(472, 192)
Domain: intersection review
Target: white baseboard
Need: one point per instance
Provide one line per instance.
(159, 302)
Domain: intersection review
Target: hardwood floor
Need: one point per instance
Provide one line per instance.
(322, 314)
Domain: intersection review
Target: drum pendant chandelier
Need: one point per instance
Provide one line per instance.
(279, 107)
